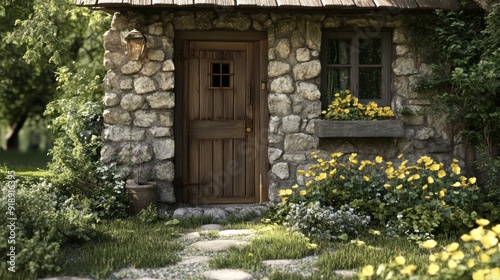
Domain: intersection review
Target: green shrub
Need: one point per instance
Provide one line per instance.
(405, 198)
(325, 222)
(43, 222)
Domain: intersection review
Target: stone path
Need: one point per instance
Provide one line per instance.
(212, 240)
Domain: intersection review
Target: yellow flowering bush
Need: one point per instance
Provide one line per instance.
(476, 257)
(347, 107)
(416, 200)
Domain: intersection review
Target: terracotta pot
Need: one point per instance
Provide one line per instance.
(141, 196)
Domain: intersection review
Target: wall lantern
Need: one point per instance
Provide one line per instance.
(135, 44)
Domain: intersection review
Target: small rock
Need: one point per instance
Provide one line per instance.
(345, 273)
(227, 274)
(218, 245)
(278, 262)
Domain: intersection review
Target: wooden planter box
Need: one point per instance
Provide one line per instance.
(376, 128)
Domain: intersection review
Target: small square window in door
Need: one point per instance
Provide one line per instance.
(220, 75)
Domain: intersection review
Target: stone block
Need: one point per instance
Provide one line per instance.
(160, 131)
(144, 85)
(278, 68)
(308, 91)
(291, 124)
(281, 170)
(131, 67)
(123, 133)
(166, 80)
(166, 118)
(116, 116)
(165, 171)
(144, 118)
(150, 68)
(307, 70)
(111, 99)
(274, 154)
(168, 66)
(161, 100)
(300, 142)
(303, 54)
(155, 55)
(279, 104)
(164, 148)
(132, 102)
(283, 84)
(283, 48)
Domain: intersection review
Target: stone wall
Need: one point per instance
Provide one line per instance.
(140, 94)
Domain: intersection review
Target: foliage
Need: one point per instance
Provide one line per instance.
(477, 258)
(463, 52)
(324, 222)
(347, 107)
(75, 156)
(38, 37)
(414, 200)
(488, 169)
(44, 222)
(149, 214)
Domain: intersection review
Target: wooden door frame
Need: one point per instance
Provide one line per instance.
(260, 95)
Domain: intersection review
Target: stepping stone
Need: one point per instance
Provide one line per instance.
(211, 227)
(227, 274)
(190, 236)
(278, 262)
(193, 260)
(218, 245)
(345, 273)
(235, 232)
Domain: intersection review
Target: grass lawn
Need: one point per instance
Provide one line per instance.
(130, 242)
(31, 164)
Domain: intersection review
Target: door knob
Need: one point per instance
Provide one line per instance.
(249, 129)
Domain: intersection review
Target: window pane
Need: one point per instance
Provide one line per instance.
(370, 51)
(215, 81)
(370, 83)
(215, 68)
(338, 51)
(226, 81)
(337, 79)
(225, 68)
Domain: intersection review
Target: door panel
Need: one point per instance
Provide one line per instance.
(220, 166)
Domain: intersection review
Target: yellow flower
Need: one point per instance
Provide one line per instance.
(301, 172)
(472, 180)
(400, 260)
(484, 258)
(428, 197)
(250, 254)
(282, 193)
(441, 193)
(399, 187)
(429, 244)
(308, 184)
(466, 237)
(424, 187)
(303, 192)
(452, 247)
(342, 177)
(295, 186)
(387, 186)
(489, 240)
(441, 174)
(288, 191)
(478, 275)
(477, 233)
(336, 155)
(444, 256)
(458, 255)
(430, 180)
(452, 264)
(456, 184)
(433, 269)
(496, 229)
(434, 167)
(400, 156)
(455, 168)
(367, 270)
(401, 176)
(366, 178)
(408, 270)
(432, 258)
(471, 263)
(495, 273)
(379, 159)
(482, 222)
(320, 177)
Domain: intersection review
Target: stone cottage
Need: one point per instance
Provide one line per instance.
(224, 103)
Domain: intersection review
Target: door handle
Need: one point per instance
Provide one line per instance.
(249, 129)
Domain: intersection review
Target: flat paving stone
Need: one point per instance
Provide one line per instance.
(227, 274)
(218, 245)
(235, 232)
(193, 260)
(190, 236)
(212, 227)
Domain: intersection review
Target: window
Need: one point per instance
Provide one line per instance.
(359, 62)
(220, 73)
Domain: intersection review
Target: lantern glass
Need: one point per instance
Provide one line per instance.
(135, 44)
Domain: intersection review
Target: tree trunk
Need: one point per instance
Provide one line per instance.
(12, 137)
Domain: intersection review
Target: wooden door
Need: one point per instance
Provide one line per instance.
(218, 123)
